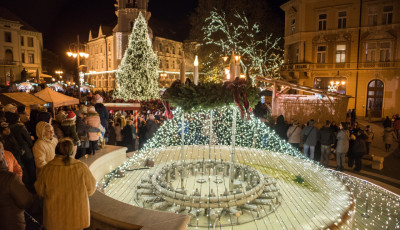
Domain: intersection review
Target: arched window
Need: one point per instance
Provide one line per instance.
(9, 55)
(131, 24)
(375, 98)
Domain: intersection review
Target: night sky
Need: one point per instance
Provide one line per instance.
(61, 20)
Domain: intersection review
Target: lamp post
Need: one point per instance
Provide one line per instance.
(75, 52)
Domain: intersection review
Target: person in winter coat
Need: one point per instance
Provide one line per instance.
(14, 199)
(151, 127)
(342, 145)
(93, 119)
(281, 127)
(44, 147)
(22, 114)
(396, 126)
(10, 160)
(83, 133)
(327, 139)
(25, 144)
(388, 137)
(60, 117)
(65, 185)
(294, 135)
(370, 137)
(118, 134)
(68, 126)
(310, 137)
(112, 138)
(127, 137)
(359, 149)
(102, 111)
(10, 144)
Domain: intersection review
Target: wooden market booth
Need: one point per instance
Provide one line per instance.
(316, 104)
(20, 98)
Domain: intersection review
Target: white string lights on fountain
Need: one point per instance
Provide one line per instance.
(323, 200)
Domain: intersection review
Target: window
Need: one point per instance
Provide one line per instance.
(160, 47)
(342, 19)
(293, 26)
(173, 50)
(7, 36)
(109, 63)
(22, 41)
(9, 55)
(173, 64)
(387, 15)
(321, 53)
(101, 49)
(384, 51)
(370, 52)
(31, 58)
(161, 65)
(167, 50)
(322, 21)
(23, 57)
(340, 53)
(30, 42)
(297, 55)
(372, 17)
(167, 64)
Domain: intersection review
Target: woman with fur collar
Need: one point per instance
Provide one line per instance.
(68, 126)
(45, 146)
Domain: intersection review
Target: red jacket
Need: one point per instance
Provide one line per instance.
(12, 163)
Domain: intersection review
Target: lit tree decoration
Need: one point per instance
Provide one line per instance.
(259, 56)
(137, 77)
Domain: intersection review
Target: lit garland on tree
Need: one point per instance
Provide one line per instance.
(137, 77)
(259, 57)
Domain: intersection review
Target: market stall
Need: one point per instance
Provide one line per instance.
(57, 99)
(25, 99)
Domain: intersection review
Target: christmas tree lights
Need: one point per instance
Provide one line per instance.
(137, 77)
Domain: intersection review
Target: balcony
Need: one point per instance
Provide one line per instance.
(335, 66)
(4, 62)
(294, 67)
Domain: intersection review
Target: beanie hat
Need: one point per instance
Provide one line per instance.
(71, 115)
(97, 98)
(10, 108)
(91, 109)
(84, 109)
(60, 116)
(21, 109)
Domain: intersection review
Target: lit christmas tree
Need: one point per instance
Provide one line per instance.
(137, 77)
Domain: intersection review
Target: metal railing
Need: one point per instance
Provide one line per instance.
(362, 65)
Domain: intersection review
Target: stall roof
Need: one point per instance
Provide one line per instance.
(58, 99)
(21, 99)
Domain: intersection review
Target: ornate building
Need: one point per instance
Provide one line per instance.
(346, 46)
(20, 47)
(107, 47)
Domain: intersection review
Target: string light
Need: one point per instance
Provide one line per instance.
(326, 198)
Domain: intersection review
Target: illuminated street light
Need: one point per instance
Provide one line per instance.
(76, 53)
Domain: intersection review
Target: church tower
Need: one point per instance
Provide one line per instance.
(127, 11)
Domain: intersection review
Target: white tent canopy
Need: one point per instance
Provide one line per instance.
(58, 99)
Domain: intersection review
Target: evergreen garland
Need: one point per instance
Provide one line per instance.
(137, 77)
(206, 95)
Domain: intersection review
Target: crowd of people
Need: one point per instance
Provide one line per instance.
(343, 139)
(38, 166)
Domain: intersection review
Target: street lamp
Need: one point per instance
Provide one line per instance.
(59, 72)
(75, 52)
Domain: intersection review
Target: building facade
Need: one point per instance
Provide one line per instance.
(20, 47)
(107, 46)
(346, 46)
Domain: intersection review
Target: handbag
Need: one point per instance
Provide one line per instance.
(84, 142)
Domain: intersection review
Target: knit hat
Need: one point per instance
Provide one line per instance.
(91, 109)
(84, 109)
(61, 116)
(71, 115)
(10, 108)
(97, 98)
